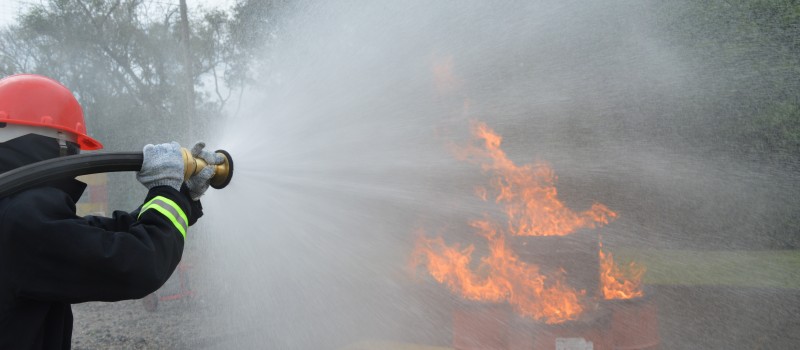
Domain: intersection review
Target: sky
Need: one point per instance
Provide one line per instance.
(9, 9)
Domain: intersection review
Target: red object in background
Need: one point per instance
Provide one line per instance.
(482, 326)
(592, 331)
(615, 325)
(151, 301)
(98, 193)
(494, 326)
(635, 324)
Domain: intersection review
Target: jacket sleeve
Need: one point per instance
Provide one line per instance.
(120, 220)
(66, 258)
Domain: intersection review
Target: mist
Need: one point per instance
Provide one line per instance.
(343, 151)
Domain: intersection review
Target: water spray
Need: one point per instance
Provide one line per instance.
(45, 171)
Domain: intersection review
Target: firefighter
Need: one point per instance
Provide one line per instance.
(51, 258)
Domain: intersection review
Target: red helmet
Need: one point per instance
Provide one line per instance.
(38, 101)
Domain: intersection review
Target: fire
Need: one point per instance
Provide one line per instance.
(528, 192)
(530, 202)
(499, 277)
(620, 282)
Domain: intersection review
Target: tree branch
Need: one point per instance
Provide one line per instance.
(118, 60)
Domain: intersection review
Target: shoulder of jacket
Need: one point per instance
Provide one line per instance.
(37, 193)
(34, 200)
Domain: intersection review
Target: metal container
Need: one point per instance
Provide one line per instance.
(493, 326)
(483, 326)
(591, 332)
(634, 323)
(575, 254)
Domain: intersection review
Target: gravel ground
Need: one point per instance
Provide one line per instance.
(175, 324)
(127, 325)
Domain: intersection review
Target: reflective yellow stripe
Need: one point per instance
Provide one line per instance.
(170, 203)
(169, 209)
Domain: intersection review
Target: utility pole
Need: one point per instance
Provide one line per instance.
(187, 66)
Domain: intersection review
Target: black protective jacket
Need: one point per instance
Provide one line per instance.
(51, 258)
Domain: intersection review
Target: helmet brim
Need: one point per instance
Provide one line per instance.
(87, 143)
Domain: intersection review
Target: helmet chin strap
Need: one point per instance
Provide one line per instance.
(62, 145)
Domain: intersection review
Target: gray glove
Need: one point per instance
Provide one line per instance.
(198, 184)
(162, 166)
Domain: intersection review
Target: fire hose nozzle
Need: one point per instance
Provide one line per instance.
(222, 172)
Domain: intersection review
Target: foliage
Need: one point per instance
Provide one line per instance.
(123, 59)
(253, 27)
(748, 57)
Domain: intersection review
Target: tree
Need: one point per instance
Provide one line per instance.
(122, 60)
(253, 27)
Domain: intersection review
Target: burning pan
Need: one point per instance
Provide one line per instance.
(591, 331)
(634, 323)
(576, 255)
(482, 326)
(494, 326)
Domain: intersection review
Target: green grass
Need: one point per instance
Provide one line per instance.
(769, 269)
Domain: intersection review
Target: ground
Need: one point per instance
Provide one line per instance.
(713, 300)
(689, 317)
(127, 325)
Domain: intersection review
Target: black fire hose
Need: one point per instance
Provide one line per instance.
(39, 173)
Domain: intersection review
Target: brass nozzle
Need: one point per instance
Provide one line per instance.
(222, 172)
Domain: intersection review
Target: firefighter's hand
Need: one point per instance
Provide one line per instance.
(198, 184)
(199, 151)
(162, 166)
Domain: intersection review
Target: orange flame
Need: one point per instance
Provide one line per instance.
(528, 192)
(620, 282)
(499, 277)
(530, 201)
